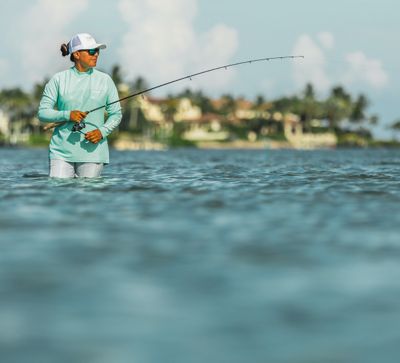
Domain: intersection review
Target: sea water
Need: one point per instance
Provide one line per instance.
(202, 256)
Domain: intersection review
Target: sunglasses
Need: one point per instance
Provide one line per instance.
(92, 51)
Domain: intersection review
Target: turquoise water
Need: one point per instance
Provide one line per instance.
(202, 256)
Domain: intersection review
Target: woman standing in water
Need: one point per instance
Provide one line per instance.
(66, 99)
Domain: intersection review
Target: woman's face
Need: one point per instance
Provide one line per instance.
(85, 59)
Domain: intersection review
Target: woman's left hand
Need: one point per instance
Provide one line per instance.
(94, 136)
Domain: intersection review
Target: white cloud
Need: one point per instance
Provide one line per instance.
(161, 42)
(364, 70)
(42, 32)
(313, 68)
(326, 39)
(357, 71)
(215, 48)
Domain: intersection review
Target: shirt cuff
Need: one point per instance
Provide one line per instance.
(67, 115)
(103, 131)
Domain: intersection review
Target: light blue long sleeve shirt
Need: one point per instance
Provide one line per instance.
(73, 90)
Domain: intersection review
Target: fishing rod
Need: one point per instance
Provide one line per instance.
(79, 126)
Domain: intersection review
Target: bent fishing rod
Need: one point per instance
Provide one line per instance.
(79, 126)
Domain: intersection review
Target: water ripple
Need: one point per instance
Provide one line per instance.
(235, 251)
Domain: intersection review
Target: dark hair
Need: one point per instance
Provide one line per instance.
(65, 51)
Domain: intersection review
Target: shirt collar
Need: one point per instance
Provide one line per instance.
(89, 71)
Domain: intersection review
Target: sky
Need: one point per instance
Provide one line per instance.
(353, 43)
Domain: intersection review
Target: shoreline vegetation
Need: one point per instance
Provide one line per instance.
(191, 119)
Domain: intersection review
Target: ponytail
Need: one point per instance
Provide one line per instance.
(65, 51)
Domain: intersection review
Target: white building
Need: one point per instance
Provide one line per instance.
(4, 124)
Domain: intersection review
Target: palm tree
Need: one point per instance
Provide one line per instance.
(358, 110)
(308, 107)
(260, 100)
(229, 105)
(338, 107)
(396, 125)
(116, 74)
(38, 89)
(373, 120)
(139, 84)
(132, 117)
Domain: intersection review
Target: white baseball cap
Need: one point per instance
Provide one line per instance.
(83, 41)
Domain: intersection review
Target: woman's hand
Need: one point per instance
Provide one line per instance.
(77, 116)
(94, 136)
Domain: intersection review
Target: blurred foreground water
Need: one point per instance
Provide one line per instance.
(202, 256)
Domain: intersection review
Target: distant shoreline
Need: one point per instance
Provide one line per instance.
(233, 145)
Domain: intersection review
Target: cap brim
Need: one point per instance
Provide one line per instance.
(94, 46)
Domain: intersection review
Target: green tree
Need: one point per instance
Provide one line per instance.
(337, 107)
(358, 112)
(308, 107)
(170, 107)
(18, 104)
(38, 89)
(228, 105)
(396, 125)
(133, 118)
(198, 99)
(259, 101)
(373, 120)
(139, 84)
(116, 75)
(286, 104)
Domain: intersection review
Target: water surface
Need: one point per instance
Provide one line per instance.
(202, 256)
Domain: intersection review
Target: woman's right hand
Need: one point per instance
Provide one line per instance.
(77, 116)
